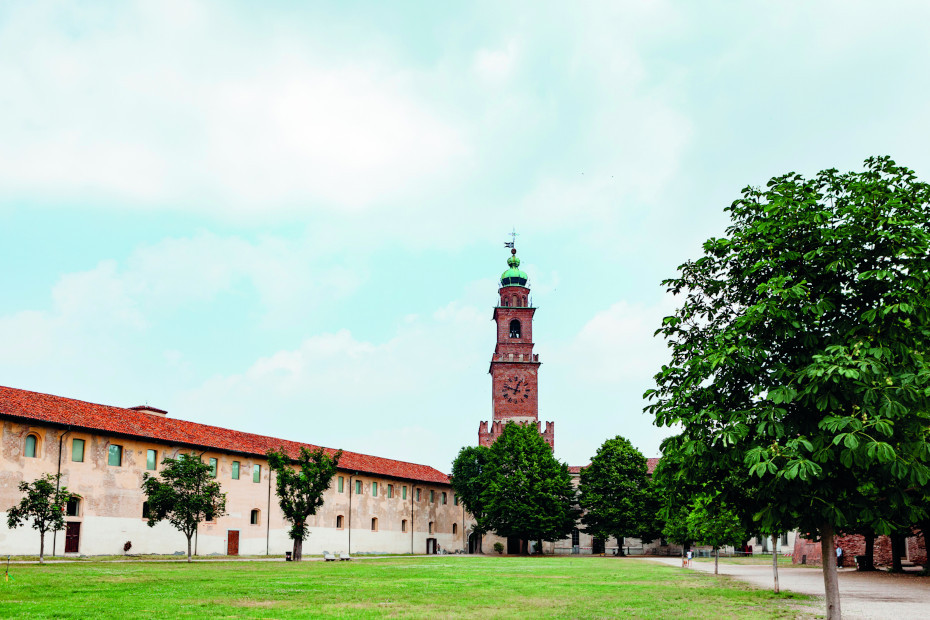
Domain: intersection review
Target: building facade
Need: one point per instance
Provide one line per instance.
(374, 505)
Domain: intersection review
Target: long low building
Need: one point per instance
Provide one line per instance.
(374, 505)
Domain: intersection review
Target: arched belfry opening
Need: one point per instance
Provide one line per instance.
(515, 329)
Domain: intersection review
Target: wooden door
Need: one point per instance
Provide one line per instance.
(232, 542)
(72, 536)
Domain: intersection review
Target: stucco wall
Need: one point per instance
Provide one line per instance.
(111, 507)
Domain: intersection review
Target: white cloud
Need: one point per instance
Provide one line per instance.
(496, 65)
(151, 111)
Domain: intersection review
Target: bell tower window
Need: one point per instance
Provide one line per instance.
(515, 328)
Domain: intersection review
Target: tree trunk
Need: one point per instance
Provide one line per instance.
(42, 547)
(298, 551)
(897, 550)
(831, 584)
(775, 561)
(869, 561)
(716, 559)
(189, 547)
(620, 551)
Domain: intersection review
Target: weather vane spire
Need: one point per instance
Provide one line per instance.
(512, 244)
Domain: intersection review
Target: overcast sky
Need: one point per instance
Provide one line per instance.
(289, 219)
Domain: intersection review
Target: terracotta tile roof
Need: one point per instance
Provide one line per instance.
(650, 467)
(118, 420)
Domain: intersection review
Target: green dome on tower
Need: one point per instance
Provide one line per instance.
(514, 276)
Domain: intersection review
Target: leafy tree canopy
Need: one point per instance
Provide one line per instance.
(470, 475)
(43, 505)
(798, 349)
(185, 493)
(516, 487)
(300, 491)
(616, 493)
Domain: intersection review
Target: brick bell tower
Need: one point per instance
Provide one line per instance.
(514, 367)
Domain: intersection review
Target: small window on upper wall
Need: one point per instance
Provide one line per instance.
(213, 466)
(339, 522)
(432, 496)
(374, 524)
(455, 528)
(77, 450)
(340, 484)
(403, 525)
(256, 473)
(443, 498)
(32, 446)
(235, 470)
(455, 499)
(146, 511)
(374, 489)
(114, 455)
(255, 517)
(73, 508)
(403, 492)
(390, 491)
(358, 487)
(151, 459)
(418, 494)
(430, 527)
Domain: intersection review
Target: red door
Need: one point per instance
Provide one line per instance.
(232, 542)
(72, 536)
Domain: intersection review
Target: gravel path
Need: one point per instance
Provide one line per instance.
(862, 595)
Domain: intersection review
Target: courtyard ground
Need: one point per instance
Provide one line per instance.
(876, 594)
(408, 587)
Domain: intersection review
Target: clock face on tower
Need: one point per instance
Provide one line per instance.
(515, 390)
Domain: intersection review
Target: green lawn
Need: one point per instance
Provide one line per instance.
(396, 587)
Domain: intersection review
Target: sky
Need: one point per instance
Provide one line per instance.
(288, 218)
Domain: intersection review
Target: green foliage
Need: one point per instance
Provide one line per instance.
(798, 351)
(300, 491)
(469, 480)
(184, 494)
(499, 547)
(42, 505)
(616, 494)
(712, 522)
(517, 486)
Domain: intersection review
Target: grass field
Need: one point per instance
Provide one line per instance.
(754, 560)
(395, 587)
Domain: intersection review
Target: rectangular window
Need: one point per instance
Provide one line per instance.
(341, 484)
(390, 491)
(418, 494)
(432, 497)
(115, 455)
(256, 473)
(213, 467)
(77, 450)
(31, 442)
(358, 487)
(151, 459)
(443, 498)
(374, 489)
(235, 470)
(403, 492)
(455, 499)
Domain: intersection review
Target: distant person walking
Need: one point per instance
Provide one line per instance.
(839, 557)
(689, 558)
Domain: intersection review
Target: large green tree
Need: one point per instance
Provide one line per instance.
(712, 522)
(300, 491)
(184, 493)
(525, 492)
(616, 494)
(43, 504)
(470, 474)
(798, 351)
